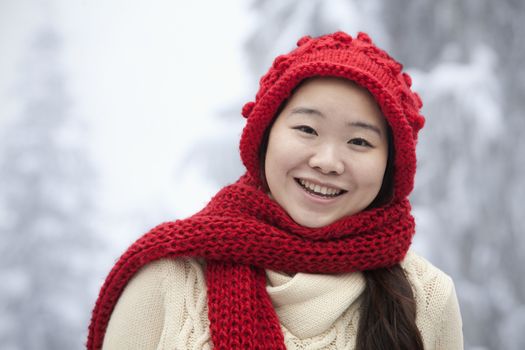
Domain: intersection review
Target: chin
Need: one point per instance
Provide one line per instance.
(312, 221)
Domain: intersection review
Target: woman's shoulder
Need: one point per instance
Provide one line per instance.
(438, 315)
(165, 274)
(419, 269)
(428, 282)
(154, 304)
(433, 288)
(426, 278)
(168, 269)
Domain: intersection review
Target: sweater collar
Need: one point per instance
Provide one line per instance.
(308, 304)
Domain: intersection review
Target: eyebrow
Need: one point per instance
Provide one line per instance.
(366, 126)
(305, 110)
(315, 112)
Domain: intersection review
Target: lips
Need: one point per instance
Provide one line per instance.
(319, 190)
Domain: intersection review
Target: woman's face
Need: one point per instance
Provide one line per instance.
(327, 152)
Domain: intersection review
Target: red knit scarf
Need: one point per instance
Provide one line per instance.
(240, 233)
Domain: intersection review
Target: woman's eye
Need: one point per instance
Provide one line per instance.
(306, 129)
(360, 142)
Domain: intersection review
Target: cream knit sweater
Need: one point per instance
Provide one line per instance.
(164, 307)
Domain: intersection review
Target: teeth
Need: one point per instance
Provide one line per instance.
(322, 190)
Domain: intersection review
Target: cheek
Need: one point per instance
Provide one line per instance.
(281, 150)
(373, 171)
(284, 155)
(275, 159)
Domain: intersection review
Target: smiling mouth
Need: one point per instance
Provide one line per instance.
(318, 190)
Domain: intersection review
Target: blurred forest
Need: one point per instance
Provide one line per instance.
(46, 207)
(465, 59)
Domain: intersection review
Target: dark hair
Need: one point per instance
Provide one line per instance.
(388, 307)
(388, 310)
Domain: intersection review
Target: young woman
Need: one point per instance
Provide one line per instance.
(310, 248)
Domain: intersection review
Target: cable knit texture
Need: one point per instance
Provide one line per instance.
(242, 231)
(315, 311)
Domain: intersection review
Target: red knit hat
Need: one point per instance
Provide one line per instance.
(356, 59)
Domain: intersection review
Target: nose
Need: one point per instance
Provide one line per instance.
(327, 159)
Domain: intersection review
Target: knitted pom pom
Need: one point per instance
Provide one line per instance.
(418, 124)
(408, 79)
(247, 109)
(418, 100)
(281, 62)
(342, 37)
(396, 67)
(364, 37)
(303, 40)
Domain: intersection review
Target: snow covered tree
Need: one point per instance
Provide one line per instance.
(46, 184)
(470, 182)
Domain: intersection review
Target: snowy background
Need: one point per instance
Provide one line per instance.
(118, 115)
